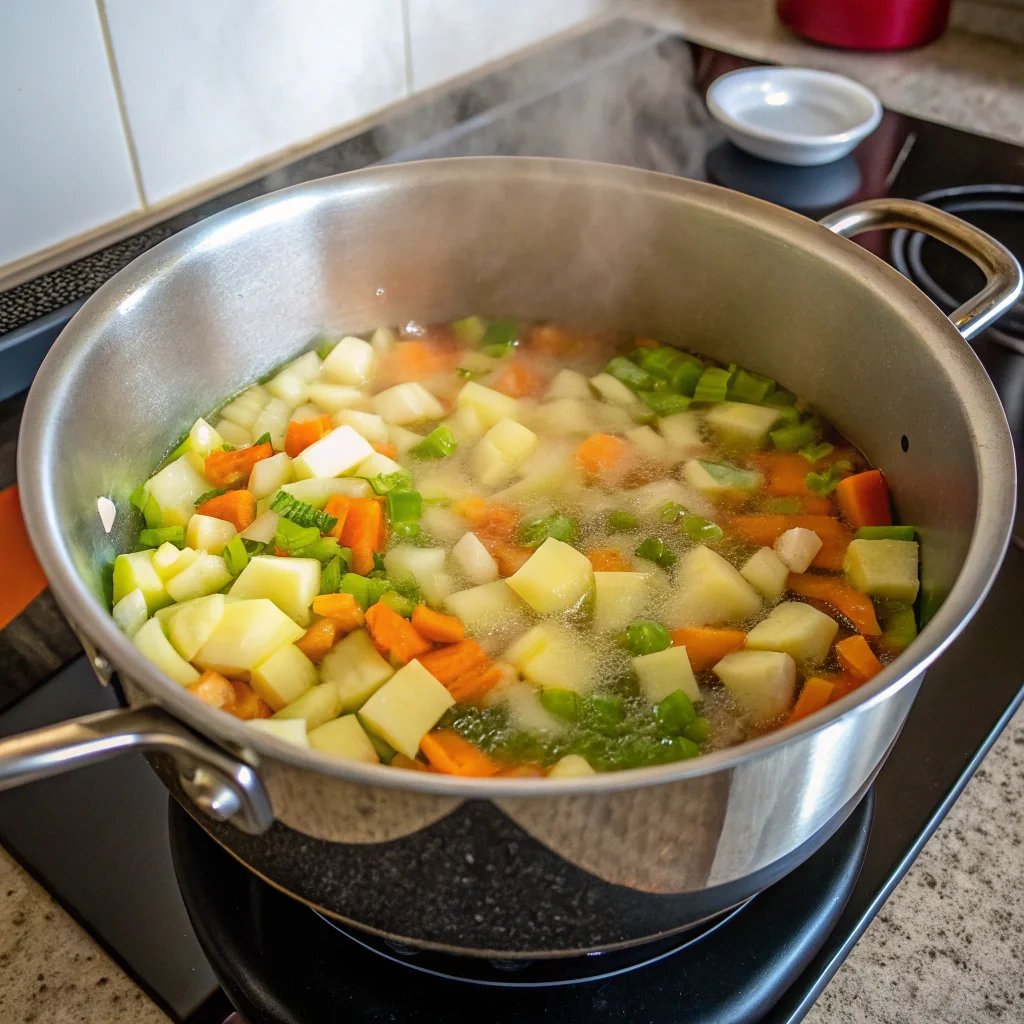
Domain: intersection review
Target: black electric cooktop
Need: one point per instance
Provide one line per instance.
(106, 847)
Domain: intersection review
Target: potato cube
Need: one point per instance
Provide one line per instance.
(526, 711)
(465, 424)
(333, 397)
(356, 668)
(489, 405)
(268, 476)
(664, 672)
(682, 433)
(273, 420)
(317, 705)
(553, 658)
(135, 571)
(263, 528)
(443, 524)
(490, 466)
(711, 592)
(516, 442)
(205, 575)
(167, 560)
(335, 453)
(763, 683)
(291, 730)
(490, 606)
(407, 403)
(884, 568)
(420, 564)
(613, 390)
(717, 480)
(568, 384)
(554, 578)
(473, 560)
(232, 433)
(317, 492)
(799, 630)
(797, 548)
(131, 612)
(741, 425)
(176, 487)
(291, 583)
(406, 708)
(193, 624)
(203, 439)
(243, 410)
(206, 533)
(766, 573)
(376, 465)
(619, 598)
(368, 424)
(572, 766)
(350, 362)
(651, 443)
(564, 417)
(284, 677)
(150, 640)
(247, 634)
(344, 737)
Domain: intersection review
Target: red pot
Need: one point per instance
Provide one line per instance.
(866, 24)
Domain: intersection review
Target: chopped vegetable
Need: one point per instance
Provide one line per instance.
(710, 592)
(301, 435)
(864, 499)
(675, 713)
(438, 444)
(163, 535)
(361, 530)
(850, 603)
(762, 682)
(232, 469)
(900, 625)
(796, 629)
(404, 506)
(630, 374)
(712, 386)
(646, 637)
(797, 548)
(764, 531)
(450, 754)
(519, 379)
(534, 532)
(856, 656)
(619, 598)
(817, 452)
(609, 560)
(301, 514)
(442, 629)
(331, 573)
(876, 533)
(814, 695)
(826, 482)
(236, 558)
(793, 438)
(318, 640)
(665, 672)
(750, 387)
(554, 579)
(621, 522)
(342, 609)
(655, 550)
(344, 737)
(601, 454)
(235, 507)
(884, 568)
(394, 634)
(766, 573)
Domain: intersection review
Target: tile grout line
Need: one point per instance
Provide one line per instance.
(406, 45)
(122, 109)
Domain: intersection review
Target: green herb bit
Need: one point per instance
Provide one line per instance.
(254, 547)
(533, 533)
(406, 530)
(385, 483)
(325, 348)
(826, 482)
(750, 387)
(153, 538)
(664, 403)
(671, 512)
(236, 558)
(564, 704)
(330, 576)
(621, 522)
(654, 549)
(885, 533)
(816, 452)
(698, 731)
(298, 512)
(675, 713)
(264, 438)
(734, 477)
(713, 385)
(645, 637)
(397, 603)
(701, 530)
(206, 496)
(404, 506)
(500, 337)
(630, 374)
(470, 330)
(438, 444)
(793, 438)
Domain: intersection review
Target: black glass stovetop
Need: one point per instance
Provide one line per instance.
(99, 839)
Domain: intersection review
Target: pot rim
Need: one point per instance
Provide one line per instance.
(993, 449)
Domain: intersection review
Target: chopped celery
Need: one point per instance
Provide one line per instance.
(675, 713)
(712, 386)
(750, 387)
(152, 513)
(664, 403)
(404, 506)
(153, 538)
(500, 337)
(397, 603)
(470, 330)
(254, 547)
(533, 533)
(406, 530)
(604, 711)
(292, 538)
(793, 438)
(826, 482)
(330, 576)
(236, 558)
(438, 444)
(882, 533)
(384, 483)
(323, 550)
(725, 474)
(898, 622)
(815, 452)
(325, 348)
(139, 497)
(215, 492)
(301, 514)
(365, 591)
(701, 530)
(671, 512)
(564, 704)
(630, 374)
(654, 549)
(781, 397)
(622, 522)
(698, 731)
(645, 637)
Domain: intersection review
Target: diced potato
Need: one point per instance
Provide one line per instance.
(797, 548)
(572, 766)
(487, 607)
(443, 485)
(613, 419)
(368, 424)
(284, 677)
(553, 658)
(232, 433)
(291, 583)
(135, 571)
(664, 672)
(515, 442)
(681, 431)
(376, 465)
(465, 424)
(526, 711)
(568, 384)
(356, 669)
(407, 403)
(490, 466)
(169, 560)
(403, 439)
(206, 575)
(766, 573)
(419, 563)
(443, 524)
(711, 592)
(316, 706)
(247, 634)
(263, 529)
(203, 439)
(651, 443)
(619, 598)
(333, 397)
(884, 568)
(291, 730)
(613, 390)
(304, 413)
(490, 405)
(549, 469)
(150, 640)
(176, 487)
(700, 479)
(564, 417)
(306, 367)
(406, 708)
(473, 560)
(291, 385)
(194, 623)
(337, 452)
(206, 533)
(383, 340)
(762, 682)
(741, 425)
(344, 737)
(437, 589)
(554, 578)
(654, 496)
(799, 630)
(317, 491)
(273, 420)
(268, 476)
(131, 612)
(350, 362)
(245, 408)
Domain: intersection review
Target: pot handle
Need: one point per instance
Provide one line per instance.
(221, 786)
(1002, 271)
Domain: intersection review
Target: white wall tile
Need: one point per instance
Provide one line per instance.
(212, 85)
(451, 37)
(65, 166)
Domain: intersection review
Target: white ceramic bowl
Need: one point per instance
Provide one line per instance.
(793, 115)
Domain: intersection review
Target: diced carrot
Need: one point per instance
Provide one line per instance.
(473, 685)
(522, 771)
(706, 647)
(553, 340)
(764, 531)
(247, 704)
(385, 449)
(510, 557)
(518, 379)
(280, 552)
(450, 754)
(318, 639)
(846, 600)
(302, 434)
(609, 560)
(232, 469)
(362, 531)
(338, 506)
(498, 520)
(409, 763)
(813, 697)
(446, 664)
(601, 454)
(395, 634)
(845, 683)
(342, 609)
(413, 361)
(235, 507)
(864, 499)
(442, 629)
(856, 656)
(213, 689)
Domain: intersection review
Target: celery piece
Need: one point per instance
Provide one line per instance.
(712, 386)
(500, 337)
(654, 549)
(216, 492)
(301, 514)
(826, 482)
(664, 403)
(698, 731)
(533, 533)
(635, 378)
(397, 603)
(781, 397)
(645, 637)
(404, 506)
(139, 497)
(725, 474)
(406, 530)
(750, 387)
(254, 547)
(884, 533)
(898, 622)
(325, 346)
(236, 558)
(781, 506)
(438, 444)
(330, 576)
(793, 438)
(701, 530)
(622, 522)
(153, 538)
(292, 538)
(816, 452)
(671, 512)
(564, 704)
(262, 439)
(675, 713)
(470, 330)
(384, 483)
(152, 513)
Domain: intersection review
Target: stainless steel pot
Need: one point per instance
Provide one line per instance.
(517, 867)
